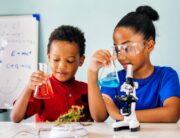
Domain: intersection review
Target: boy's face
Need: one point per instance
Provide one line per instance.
(64, 59)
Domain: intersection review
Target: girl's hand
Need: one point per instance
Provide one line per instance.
(99, 59)
(37, 78)
(112, 108)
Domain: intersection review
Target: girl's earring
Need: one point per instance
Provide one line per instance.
(150, 44)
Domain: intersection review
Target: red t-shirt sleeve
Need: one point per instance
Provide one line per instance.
(84, 88)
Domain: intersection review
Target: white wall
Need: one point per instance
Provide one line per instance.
(97, 18)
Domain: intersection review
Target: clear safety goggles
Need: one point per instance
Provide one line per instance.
(129, 48)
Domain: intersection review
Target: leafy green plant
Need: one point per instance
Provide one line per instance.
(73, 115)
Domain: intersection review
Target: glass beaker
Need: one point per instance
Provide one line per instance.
(44, 91)
(108, 76)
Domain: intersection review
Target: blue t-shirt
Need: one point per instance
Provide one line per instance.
(152, 91)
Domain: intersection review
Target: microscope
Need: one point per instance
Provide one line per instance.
(129, 87)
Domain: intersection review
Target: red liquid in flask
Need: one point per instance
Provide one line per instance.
(44, 91)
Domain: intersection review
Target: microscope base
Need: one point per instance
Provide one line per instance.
(131, 125)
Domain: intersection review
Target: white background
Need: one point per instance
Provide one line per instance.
(97, 19)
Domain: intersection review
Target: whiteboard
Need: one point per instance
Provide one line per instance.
(18, 55)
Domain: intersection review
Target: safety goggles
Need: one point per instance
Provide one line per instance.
(129, 48)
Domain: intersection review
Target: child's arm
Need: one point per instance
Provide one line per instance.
(113, 111)
(169, 113)
(20, 106)
(96, 102)
(19, 109)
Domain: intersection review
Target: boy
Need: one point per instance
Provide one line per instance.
(65, 53)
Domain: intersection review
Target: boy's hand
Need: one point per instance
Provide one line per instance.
(99, 59)
(37, 78)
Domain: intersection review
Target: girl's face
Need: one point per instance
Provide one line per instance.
(64, 59)
(131, 48)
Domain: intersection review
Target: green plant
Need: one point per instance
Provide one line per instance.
(73, 115)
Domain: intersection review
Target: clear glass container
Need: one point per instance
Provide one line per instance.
(108, 76)
(44, 91)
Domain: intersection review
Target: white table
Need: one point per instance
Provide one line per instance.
(96, 130)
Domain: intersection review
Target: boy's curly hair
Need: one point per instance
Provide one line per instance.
(70, 34)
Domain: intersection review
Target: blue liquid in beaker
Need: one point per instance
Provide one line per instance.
(109, 82)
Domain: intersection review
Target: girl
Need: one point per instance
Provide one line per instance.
(159, 90)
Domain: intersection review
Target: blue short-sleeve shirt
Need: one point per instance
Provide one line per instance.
(152, 91)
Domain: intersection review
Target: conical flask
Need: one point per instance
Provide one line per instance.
(108, 76)
(44, 91)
